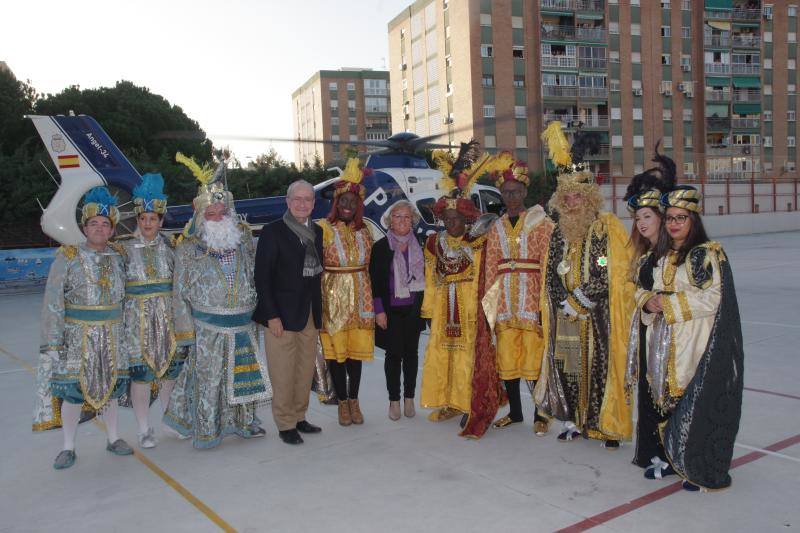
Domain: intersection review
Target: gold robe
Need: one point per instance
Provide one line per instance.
(348, 318)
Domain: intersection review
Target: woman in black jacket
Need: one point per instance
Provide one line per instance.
(397, 272)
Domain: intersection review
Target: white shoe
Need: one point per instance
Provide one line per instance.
(148, 439)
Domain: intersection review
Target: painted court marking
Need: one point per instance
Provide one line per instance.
(154, 468)
(647, 499)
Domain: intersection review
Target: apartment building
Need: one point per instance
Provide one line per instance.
(346, 104)
(714, 80)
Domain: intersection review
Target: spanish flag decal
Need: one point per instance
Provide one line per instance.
(68, 161)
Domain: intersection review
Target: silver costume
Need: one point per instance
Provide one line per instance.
(225, 376)
(82, 323)
(149, 331)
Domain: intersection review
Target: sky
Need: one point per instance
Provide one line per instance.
(231, 66)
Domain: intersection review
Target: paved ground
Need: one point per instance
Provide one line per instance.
(414, 475)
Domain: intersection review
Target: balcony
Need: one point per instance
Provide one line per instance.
(594, 92)
(718, 123)
(573, 121)
(718, 15)
(591, 5)
(718, 68)
(573, 5)
(745, 123)
(747, 95)
(592, 63)
(559, 91)
(732, 175)
(370, 91)
(746, 68)
(745, 149)
(718, 150)
(746, 41)
(571, 33)
(603, 153)
(724, 150)
(718, 95)
(559, 62)
(719, 41)
(740, 13)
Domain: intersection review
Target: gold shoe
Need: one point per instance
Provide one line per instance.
(344, 413)
(355, 412)
(445, 413)
(408, 408)
(506, 421)
(540, 428)
(394, 410)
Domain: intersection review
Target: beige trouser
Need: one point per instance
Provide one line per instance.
(290, 361)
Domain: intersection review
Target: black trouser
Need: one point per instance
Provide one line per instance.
(346, 378)
(402, 333)
(648, 440)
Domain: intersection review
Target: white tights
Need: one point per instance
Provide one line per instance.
(140, 396)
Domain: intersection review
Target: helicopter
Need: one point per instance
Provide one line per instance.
(87, 157)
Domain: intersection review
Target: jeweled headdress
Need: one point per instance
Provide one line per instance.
(148, 196)
(517, 170)
(351, 179)
(212, 188)
(683, 196)
(99, 202)
(573, 172)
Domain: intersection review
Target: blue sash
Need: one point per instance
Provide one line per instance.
(146, 289)
(99, 313)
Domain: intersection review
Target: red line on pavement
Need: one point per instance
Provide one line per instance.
(616, 512)
(781, 394)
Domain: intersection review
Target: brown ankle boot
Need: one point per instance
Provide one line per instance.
(355, 412)
(344, 413)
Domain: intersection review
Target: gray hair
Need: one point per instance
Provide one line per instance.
(387, 216)
(295, 184)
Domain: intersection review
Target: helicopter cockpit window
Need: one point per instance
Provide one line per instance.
(425, 208)
(492, 203)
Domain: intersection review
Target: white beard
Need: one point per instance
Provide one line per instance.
(222, 235)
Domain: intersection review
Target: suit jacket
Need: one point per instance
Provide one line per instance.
(282, 290)
(379, 265)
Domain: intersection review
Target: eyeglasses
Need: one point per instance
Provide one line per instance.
(513, 194)
(677, 219)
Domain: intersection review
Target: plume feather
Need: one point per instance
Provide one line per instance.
(557, 144)
(100, 195)
(203, 174)
(443, 160)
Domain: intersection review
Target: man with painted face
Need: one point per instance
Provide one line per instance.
(348, 317)
(459, 375)
(587, 302)
(83, 365)
(153, 356)
(515, 250)
(225, 373)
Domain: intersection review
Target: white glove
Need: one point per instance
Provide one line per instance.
(568, 310)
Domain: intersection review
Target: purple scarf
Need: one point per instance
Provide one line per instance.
(409, 277)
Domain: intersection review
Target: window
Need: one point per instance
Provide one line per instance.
(792, 37)
(636, 28)
(686, 32)
(334, 104)
(519, 80)
(666, 59)
(767, 89)
(351, 121)
(666, 87)
(667, 141)
(487, 50)
(332, 86)
(487, 80)
(616, 113)
(636, 84)
(613, 86)
(791, 141)
(486, 19)
(351, 105)
(791, 64)
(666, 114)
(636, 57)
(768, 140)
(638, 141)
(637, 113)
(522, 141)
(687, 141)
(664, 4)
(516, 22)
(688, 168)
(791, 89)
(767, 115)
(616, 141)
(520, 111)
(687, 113)
(686, 5)
(666, 31)
(353, 137)
(767, 63)
(351, 86)
(792, 11)
(613, 56)
(488, 111)
(447, 32)
(518, 52)
(613, 28)
(490, 141)
(334, 121)
(791, 115)
(767, 36)
(634, 2)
